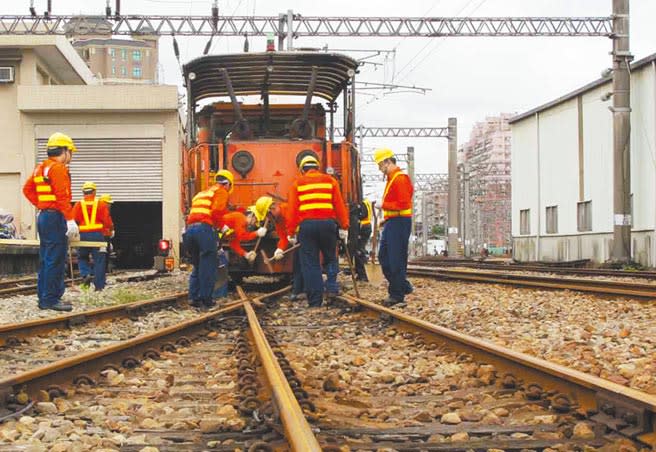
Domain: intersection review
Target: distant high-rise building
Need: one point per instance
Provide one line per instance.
(485, 159)
(115, 61)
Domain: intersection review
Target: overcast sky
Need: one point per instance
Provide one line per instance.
(469, 78)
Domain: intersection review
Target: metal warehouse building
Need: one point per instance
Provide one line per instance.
(562, 174)
(128, 140)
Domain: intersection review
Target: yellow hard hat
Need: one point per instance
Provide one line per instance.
(227, 175)
(107, 198)
(262, 207)
(252, 210)
(88, 185)
(382, 154)
(308, 160)
(59, 140)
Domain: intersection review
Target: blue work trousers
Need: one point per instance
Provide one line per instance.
(393, 255)
(99, 258)
(318, 237)
(201, 241)
(222, 261)
(297, 275)
(51, 226)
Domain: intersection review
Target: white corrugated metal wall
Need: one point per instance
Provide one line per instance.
(130, 169)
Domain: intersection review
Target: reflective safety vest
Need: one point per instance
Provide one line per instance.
(90, 224)
(44, 191)
(394, 213)
(315, 196)
(367, 220)
(201, 206)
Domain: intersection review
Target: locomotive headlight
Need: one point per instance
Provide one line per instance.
(192, 76)
(243, 162)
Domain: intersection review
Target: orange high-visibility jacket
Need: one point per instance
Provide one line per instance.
(316, 196)
(237, 222)
(107, 229)
(92, 215)
(49, 187)
(397, 199)
(209, 206)
(281, 225)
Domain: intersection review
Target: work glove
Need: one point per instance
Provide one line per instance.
(261, 232)
(250, 256)
(278, 254)
(111, 236)
(343, 235)
(72, 231)
(291, 239)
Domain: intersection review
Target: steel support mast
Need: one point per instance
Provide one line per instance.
(621, 110)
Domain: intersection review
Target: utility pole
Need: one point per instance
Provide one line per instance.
(466, 223)
(454, 198)
(424, 224)
(621, 133)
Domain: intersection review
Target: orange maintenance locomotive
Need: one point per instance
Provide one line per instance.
(262, 142)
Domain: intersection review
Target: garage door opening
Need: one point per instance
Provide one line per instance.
(138, 228)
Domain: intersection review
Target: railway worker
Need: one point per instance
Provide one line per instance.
(234, 230)
(365, 214)
(317, 208)
(205, 216)
(49, 190)
(278, 212)
(92, 215)
(397, 214)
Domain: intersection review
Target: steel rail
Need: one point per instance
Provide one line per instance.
(12, 332)
(603, 287)
(584, 388)
(297, 430)
(61, 371)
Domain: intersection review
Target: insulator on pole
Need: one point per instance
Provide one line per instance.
(176, 49)
(246, 43)
(215, 14)
(117, 10)
(49, 11)
(32, 9)
(108, 10)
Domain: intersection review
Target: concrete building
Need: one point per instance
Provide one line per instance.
(115, 61)
(562, 173)
(128, 139)
(486, 161)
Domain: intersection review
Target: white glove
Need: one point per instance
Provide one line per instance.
(111, 236)
(250, 256)
(72, 231)
(343, 235)
(291, 239)
(278, 254)
(261, 232)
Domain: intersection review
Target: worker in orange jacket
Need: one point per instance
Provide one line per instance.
(49, 190)
(200, 238)
(235, 230)
(278, 212)
(92, 216)
(108, 233)
(317, 208)
(397, 213)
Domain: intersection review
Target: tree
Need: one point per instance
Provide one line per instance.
(438, 230)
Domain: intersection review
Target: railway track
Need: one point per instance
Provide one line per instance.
(602, 287)
(639, 274)
(28, 284)
(357, 375)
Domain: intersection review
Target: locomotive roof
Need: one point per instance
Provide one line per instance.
(286, 73)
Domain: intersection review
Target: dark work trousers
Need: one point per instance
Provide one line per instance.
(361, 252)
(297, 275)
(51, 226)
(200, 240)
(393, 255)
(318, 237)
(98, 267)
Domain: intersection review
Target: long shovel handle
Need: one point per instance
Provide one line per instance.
(348, 257)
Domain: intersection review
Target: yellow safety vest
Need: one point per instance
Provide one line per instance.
(90, 224)
(367, 220)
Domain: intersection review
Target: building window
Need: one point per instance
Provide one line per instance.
(525, 221)
(136, 55)
(552, 220)
(124, 54)
(124, 71)
(112, 52)
(136, 72)
(584, 216)
(113, 70)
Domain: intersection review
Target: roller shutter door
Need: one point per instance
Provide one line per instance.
(130, 169)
